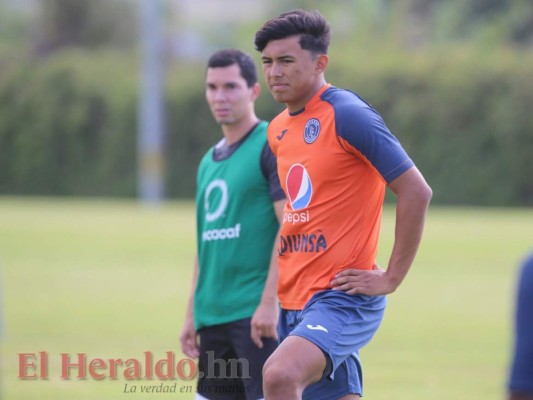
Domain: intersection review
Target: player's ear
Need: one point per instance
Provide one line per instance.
(321, 63)
(256, 90)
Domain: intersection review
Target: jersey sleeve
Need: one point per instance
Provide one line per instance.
(363, 129)
(522, 363)
(269, 168)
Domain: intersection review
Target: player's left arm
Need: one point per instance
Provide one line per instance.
(413, 197)
(265, 319)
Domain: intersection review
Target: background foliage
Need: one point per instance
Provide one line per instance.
(453, 80)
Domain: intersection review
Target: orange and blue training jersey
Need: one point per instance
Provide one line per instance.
(335, 158)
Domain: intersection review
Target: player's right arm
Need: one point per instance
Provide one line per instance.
(189, 336)
(265, 318)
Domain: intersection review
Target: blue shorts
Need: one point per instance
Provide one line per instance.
(339, 324)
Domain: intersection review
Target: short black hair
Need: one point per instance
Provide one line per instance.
(227, 57)
(311, 25)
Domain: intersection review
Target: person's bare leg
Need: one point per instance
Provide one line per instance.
(295, 364)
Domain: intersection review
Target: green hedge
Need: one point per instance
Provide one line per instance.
(464, 116)
(67, 127)
(68, 123)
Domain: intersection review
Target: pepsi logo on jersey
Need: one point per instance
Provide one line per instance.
(299, 189)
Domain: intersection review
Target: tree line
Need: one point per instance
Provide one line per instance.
(68, 108)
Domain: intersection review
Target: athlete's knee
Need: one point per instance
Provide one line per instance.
(274, 375)
(278, 380)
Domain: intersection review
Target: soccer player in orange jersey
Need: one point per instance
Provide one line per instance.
(336, 157)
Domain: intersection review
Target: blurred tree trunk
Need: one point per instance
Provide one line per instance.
(83, 23)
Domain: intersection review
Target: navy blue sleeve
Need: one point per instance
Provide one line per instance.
(269, 167)
(521, 379)
(363, 128)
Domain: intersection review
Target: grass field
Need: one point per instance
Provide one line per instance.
(110, 279)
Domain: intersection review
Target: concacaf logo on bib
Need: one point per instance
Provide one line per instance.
(311, 130)
(215, 203)
(220, 185)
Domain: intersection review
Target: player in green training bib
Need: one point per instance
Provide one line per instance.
(233, 308)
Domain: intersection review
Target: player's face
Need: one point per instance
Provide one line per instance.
(228, 95)
(293, 75)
